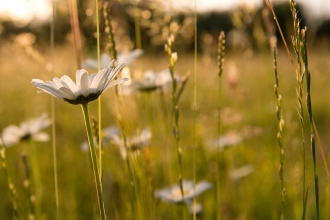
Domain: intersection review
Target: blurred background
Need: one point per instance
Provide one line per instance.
(247, 102)
(240, 19)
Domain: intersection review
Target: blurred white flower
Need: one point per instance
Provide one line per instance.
(228, 140)
(111, 133)
(86, 89)
(241, 172)
(29, 129)
(105, 59)
(134, 143)
(107, 134)
(173, 194)
(151, 82)
(195, 208)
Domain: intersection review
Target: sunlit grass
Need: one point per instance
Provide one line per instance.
(246, 93)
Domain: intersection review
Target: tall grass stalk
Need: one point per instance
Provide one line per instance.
(75, 30)
(111, 43)
(296, 41)
(130, 167)
(173, 57)
(310, 115)
(194, 110)
(27, 185)
(8, 174)
(279, 134)
(221, 54)
(97, 177)
(137, 25)
(36, 178)
(52, 106)
(292, 5)
(99, 103)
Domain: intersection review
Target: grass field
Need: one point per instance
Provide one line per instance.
(247, 106)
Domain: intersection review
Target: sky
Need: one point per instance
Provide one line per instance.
(24, 11)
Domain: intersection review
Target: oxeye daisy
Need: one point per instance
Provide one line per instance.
(191, 191)
(151, 82)
(85, 89)
(27, 130)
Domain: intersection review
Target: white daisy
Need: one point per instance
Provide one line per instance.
(151, 82)
(241, 172)
(29, 129)
(107, 134)
(230, 139)
(190, 191)
(86, 89)
(127, 58)
(133, 143)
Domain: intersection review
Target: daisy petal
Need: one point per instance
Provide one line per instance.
(91, 78)
(67, 81)
(49, 89)
(57, 82)
(115, 72)
(116, 82)
(78, 76)
(84, 84)
(41, 136)
(99, 79)
(67, 93)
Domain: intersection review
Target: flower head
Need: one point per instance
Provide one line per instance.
(241, 172)
(107, 134)
(134, 143)
(230, 139)
(151, 82)
(29, 129)
(86, 89)
(190, 190)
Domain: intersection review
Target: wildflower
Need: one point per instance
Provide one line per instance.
(173, 194)
(107, 134)
(127, 58)
(29, 129)
(86, 89)
(241, 172)
(195, 208)
(151, 82)
(134, 143)
(227, 140)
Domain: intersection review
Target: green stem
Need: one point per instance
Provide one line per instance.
(218, 154)
(194, 111)
(99, 100)
(36, 178)
(94, 160)
(137, 26)
(310, 116)
(11, 186)
(52, 46)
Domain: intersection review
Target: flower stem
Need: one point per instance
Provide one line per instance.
(279, 134)
(99, 100)
(221, 54)
(36, 179)
(52, 43)
(11, 186)
(310, 116)
(94, 160)
(175, 98)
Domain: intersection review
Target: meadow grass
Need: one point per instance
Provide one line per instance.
(247, 108)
